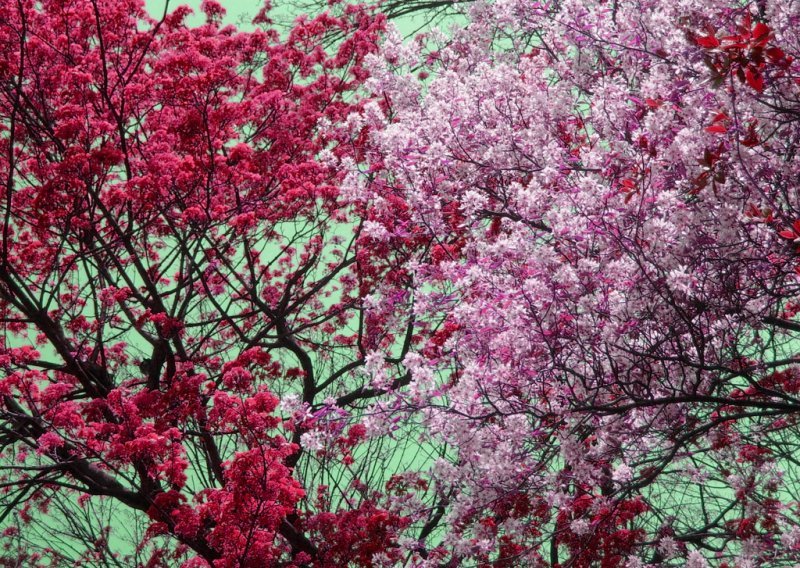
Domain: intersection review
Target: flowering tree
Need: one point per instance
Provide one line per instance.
(608, 193)
(520, 294)
(182, 292)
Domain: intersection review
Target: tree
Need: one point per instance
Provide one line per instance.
(183, 292)
(609, 189)
(523, 294)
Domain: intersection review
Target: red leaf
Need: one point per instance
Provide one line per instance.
(735, 42)
(750, 141)
(745, 26)
(709, 42)
(716, 129)
(754, 78)
(796, 226)
(761, 33)
(775, 54)
(788, 234)
(752, 138)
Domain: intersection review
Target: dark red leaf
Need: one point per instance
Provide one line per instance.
(754, 78)
(709, 42)
(775, 54)
(761, 33)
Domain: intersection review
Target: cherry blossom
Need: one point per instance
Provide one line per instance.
(609, 190)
